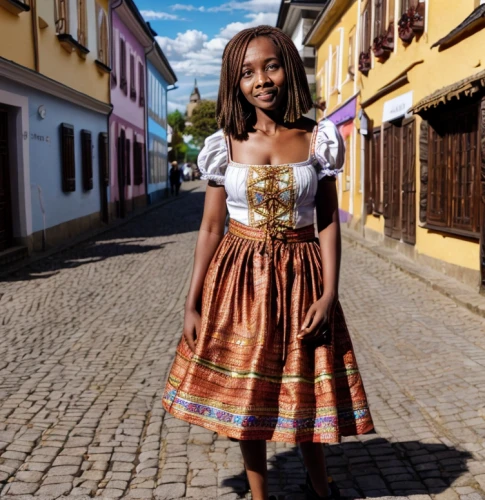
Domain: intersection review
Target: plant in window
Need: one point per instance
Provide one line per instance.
(365, 62)
(388, 39)
(406, 33)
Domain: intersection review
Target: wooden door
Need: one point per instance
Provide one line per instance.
(482, 196)
(408, 210)
(103, 157)
(5, 200)
(395, 175)
(387, 179)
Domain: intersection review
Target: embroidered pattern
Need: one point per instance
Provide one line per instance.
(271, 198)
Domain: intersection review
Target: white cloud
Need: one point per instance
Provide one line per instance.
(189, 8)
(255, 20)
(184, 44)
(257, 6)
(153, 15)
(173, 106)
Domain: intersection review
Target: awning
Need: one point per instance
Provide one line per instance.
(345, 113)
(466, 87)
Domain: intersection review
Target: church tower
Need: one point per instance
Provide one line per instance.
(194, 100)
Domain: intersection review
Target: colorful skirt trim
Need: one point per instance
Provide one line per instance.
(250, 376)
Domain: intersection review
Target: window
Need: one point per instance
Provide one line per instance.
(68, 158)
(87, 159)
(114, 61)
(132, 78)
(102, 33)
(351, 54)
(138, 163)
(374, 172)
(366, 29)
(141, 77)
(128, 162)
(103, 149)
(379, 17)
(82, 28)
(334, 64)
(407, 4)
(453, 171)
(123, 82)
(61, 16)
(391, 9)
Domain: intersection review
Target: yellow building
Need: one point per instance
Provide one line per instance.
(416, 75)
(54, 107)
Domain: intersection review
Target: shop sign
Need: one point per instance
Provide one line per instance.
(397, 107)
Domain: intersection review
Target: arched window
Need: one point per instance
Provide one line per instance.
(82, 25)
(102, 31)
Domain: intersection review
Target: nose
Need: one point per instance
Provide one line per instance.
(262, 78)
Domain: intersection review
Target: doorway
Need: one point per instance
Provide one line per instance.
(399, 180)
(6, 223)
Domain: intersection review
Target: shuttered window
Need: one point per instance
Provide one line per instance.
(407, 4)
(128, 162)
(87, 159)
(103, 158)
(123, 82)
(141, 77)
(453, 171)
(68, 158)
(132, 78)
(138, 163)
(380, 12)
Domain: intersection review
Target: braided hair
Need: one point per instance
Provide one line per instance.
(233, 111)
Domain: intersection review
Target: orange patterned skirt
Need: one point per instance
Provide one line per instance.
(250, 377)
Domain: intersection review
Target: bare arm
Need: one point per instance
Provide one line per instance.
(210, 235)
(330, 249)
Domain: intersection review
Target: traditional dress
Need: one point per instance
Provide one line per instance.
(250, 376)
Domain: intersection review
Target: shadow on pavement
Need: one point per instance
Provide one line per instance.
(182, 215)
(370, 468)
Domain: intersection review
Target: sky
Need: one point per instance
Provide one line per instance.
(193, 35)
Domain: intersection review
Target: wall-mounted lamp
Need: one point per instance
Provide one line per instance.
(42, 112)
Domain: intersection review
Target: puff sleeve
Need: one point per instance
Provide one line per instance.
(329, 150)
(212, 161)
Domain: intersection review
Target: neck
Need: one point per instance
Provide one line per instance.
(269, 121)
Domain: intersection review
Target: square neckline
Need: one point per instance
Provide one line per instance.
(310, 159)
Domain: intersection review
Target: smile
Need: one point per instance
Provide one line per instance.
(266, 96)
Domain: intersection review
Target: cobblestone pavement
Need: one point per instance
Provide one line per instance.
(88, 336)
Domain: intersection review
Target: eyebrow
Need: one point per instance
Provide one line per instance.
(266, 61)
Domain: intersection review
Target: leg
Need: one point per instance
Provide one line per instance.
(254, 455)
(314, 459)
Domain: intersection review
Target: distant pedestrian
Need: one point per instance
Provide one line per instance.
(175, 175)
(266, 354)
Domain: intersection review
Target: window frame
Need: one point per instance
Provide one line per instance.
(123, 69)
(87, 159)
(82, 23)
(68, 158)
(132, 77)
(141, 80)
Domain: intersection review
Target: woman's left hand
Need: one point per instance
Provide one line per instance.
(317, 320)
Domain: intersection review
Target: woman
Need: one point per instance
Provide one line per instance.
(266, 354)
(175, 178)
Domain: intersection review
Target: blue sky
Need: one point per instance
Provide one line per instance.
(194, 33)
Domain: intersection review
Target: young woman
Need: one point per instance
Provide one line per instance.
(265, 353)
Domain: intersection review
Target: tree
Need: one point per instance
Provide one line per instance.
(177, 121)
(203, 122)
(179, 148)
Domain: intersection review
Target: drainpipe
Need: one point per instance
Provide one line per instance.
(35, 33)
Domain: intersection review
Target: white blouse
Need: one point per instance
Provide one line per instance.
(263, 195)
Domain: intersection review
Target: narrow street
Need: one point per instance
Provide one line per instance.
(88, 336)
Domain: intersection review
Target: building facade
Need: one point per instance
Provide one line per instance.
(411, 77)
(160, 78)
(54, 106)
(131, 37)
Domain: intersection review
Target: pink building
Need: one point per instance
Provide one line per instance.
(131, 37)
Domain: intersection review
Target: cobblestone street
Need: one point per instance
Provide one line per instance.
(89, 334)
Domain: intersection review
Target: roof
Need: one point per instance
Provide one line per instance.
(473, 23)
(287, 4)
(330, 14)
(466, 87)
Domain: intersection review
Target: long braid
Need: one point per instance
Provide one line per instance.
(231, 113)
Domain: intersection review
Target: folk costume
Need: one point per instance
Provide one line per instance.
(250, 377)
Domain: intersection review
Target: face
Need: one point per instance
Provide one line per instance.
(263, 79)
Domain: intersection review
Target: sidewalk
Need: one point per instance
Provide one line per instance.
(460, 293)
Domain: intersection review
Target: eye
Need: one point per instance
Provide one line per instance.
(273, 67)
(247, 73)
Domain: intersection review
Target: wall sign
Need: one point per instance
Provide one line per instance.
(397, 107)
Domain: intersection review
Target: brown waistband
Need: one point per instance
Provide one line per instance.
(301, 234)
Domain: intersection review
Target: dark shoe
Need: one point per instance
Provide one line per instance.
(311, 494)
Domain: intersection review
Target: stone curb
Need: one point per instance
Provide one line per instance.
(89, 235)
(461, 294)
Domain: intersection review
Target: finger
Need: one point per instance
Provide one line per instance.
(308, 317)
(316, 321)
(190, 338)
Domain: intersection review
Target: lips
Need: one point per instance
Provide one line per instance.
(266, 96)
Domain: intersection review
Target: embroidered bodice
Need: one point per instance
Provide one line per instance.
(273, 197)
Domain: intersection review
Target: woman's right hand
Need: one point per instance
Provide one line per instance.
(192, 322)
